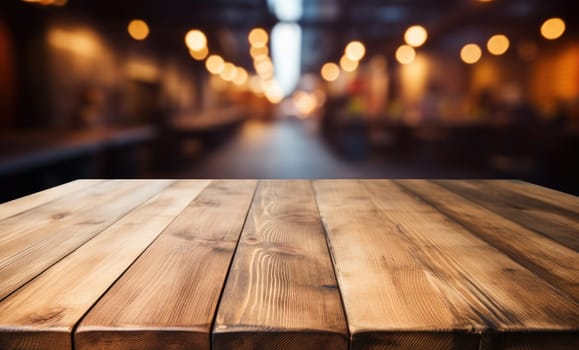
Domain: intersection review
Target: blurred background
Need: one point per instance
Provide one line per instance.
(288, 89)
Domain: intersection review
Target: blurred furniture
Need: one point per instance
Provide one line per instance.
(296, 264)
(30, 161)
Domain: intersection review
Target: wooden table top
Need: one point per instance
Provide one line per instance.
(290, 264)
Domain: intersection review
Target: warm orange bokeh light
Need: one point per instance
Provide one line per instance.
(355, 50)
(470, 53)
(138, 29)
(553, 28)
(405, 54)
(258, 37)
(415, 36)
(201, 54)
(241, 77)
(214, 64)
(330, 71)
(195, 40)
(229, 72)
(258, 52)
(498, 44)
(347, 64)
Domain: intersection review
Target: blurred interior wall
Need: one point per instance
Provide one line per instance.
(554, 79)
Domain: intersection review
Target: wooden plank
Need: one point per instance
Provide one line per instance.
(509, 297)
(36, 239)
(25, 203)
(167, 298)
(281, 292)
(42, 314)
(546, 220)
(392, 300)
(540, 196)
(548, 259)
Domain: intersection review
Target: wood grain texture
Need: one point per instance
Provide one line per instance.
(25, 203)
(42, 314)
(547, 220)
(32, 241)
(281, 292)
(392, 300)
(168, 297)
(539, 195)
(508, 296)
(548, 259)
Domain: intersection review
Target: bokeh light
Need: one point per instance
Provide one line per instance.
(195, 40)
(229, 72)
(553, 28)
(347, 64)
(138, 29)
(199, 55)
(330, 71)
(498, 44)
(258, 37)
(214, 64)
(470, 53)
(355, 50)
(405, 54)
(416, 36)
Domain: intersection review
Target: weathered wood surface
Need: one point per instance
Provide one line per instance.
(42, 314)
(34, 240)
(281, 292)
(167, 299)
(323, 264)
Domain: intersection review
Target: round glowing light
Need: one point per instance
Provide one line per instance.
(264, 68)
(229, 72)
(201, 54)
(273, 91)
(348, 65)
(355, 50)
(138, 29)
(258, 52)
(240, 77)
(330, 71)
(553, 28)
(255, 85)
(195, 40)
(405, 54)
(498, 44)
(416, 36)
(258, 37)
(214, 64)
(470, 53)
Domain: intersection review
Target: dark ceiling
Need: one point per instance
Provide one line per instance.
(327, 25)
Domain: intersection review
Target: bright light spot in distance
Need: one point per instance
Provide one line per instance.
(258, 37)
(240, 77)
(470, 53)
(348, 65)
(286, 44)
(138, 29)
(287, 10)
(255, 85)
(214, 64)
(195, 40)
(416, 36)
(258, 52)
(553, 28)
(330, 71)
(355, 50)
(405, 54)
(305, 103)
(498, 44)
(229, 72)
(199, 55)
